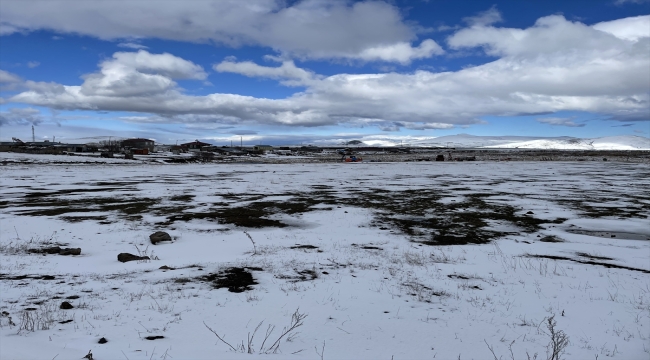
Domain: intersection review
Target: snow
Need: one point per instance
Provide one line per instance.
(623, 142)
(405, 300)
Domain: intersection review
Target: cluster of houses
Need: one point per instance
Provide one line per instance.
(141, 146)
(137, 146)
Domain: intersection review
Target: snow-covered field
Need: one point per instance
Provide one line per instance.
(368, 261)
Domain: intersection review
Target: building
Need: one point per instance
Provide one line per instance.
(139, 143)
(75, 147)
(195, 145)
(262, 147)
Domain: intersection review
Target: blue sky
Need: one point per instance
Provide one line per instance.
(316, 71)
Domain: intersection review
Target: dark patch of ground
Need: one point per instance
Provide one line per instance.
(182, 198)
(588, 262)
(251, 215)
(154, 337)
(302, 275)
(551, 239)
(593, 257)
(73, 191)
(609, 234)
(456, 276)
(130, 208)
(235, 279)
(27, 277)
(367, 247)
(306, 247)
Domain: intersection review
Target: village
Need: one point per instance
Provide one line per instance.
(203, 151)
(148, 151)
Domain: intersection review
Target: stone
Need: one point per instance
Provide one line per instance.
(70, 251)
(159, 236)
(102, 341)
(126, 257)
(66, 306)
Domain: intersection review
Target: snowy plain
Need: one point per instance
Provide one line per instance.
(385, 260)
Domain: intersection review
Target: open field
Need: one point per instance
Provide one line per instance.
(410, 260)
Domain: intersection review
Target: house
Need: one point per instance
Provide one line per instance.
(262, 147)
(195, 145)
(228, 150)
(138, 143)
(311, 149)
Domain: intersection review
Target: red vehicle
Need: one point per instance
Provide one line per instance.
(353, 158)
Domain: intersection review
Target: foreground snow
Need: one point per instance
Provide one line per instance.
(369, 290)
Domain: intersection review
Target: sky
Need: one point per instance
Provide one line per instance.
(315, 71)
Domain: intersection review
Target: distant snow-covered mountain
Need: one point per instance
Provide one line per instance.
(624, 142)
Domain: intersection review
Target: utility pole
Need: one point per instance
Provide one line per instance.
(33, 138)
(241, 141)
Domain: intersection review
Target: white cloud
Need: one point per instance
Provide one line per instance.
(305, 29)
(132, 45)
(137, 74)
(163, 64)
(632, 28)
(9, 81)
(8, 78)
(287, 70)
(555, 65)
(484, 18)
(33, 64)
(560, 121)
(20, 116)
(402, 52)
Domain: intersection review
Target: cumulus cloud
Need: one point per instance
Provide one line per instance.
(307, 28)
(20, 116)
(9, 81)
(401, 52)
(8, 78)
(287, 70)
(632, 28)
(560, 121)
(138, 74)
(555, 65)
(132, 45)
(484, 18)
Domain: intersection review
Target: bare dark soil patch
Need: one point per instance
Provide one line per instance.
(593, 257)
(367, 247)
(609, 234)
(74, 219)
(456, 276)
(130, 208)
(302, 275)
(588, 262)
(27, 277)
(305, 247)
(551, 239)
(73, 191)
(421, 215)
(252, 215)
(154, 337)
(235, 279)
